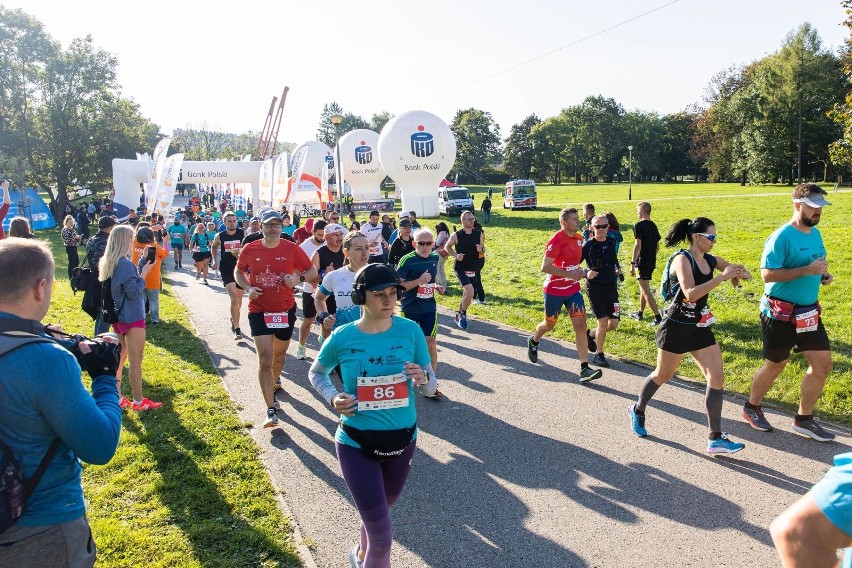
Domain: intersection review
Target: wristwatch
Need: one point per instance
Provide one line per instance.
(301, 277)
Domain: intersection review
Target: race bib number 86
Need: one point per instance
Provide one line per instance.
(383, 392)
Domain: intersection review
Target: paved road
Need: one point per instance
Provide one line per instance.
(520, 466)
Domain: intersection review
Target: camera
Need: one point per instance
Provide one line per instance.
(102, 357)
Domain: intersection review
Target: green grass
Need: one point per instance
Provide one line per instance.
(186, 486)
(744, 217)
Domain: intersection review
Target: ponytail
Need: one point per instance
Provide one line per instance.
(683, 230)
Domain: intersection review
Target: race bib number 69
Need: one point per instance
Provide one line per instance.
(383, 392)
(276, 320)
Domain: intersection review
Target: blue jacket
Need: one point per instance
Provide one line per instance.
(128, 291)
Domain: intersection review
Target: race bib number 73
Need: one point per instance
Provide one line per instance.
(383, 392)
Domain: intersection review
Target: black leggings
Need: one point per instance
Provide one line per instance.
(73, 259)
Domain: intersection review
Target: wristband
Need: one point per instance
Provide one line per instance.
(301, 277)
(321, 317)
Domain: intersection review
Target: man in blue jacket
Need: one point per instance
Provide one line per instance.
(41, 399)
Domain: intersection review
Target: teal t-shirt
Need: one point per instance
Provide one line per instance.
(200, 241)
(787, 247)
(421, 299)
(211, 236)
(177, 233)
(289, 229)
(833, 496)
(375, 355)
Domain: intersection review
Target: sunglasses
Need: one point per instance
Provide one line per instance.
(425, 243)
(601, 226)
(709, 236)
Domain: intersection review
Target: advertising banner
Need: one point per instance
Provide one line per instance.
(168, 184)
(265, 184)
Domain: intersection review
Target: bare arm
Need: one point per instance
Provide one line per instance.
(806, 538)
(7, 199)
(819, 266)
(691, 292)
(548, 267)
(451, 242)
(214, 249)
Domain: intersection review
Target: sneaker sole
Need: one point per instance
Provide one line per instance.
(755, 426)
(594, 376)
(630, 414)
(809, 434)
(715, 451)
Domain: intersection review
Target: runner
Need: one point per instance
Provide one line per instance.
(378, 244)
(227, 246)
(305, 232)
(402, 244)
(793, 267)
(211, 234)
(561, 263)
(686, 328)
(199, 244)
(602, 284)
(440, 241)
(417, 271)
(644, 260)
(337, 285)
(275, 266)
(177, 240)
(326, 259)
(309, 312)
(476, 281)
(288, 228)
(588, 214)
(465, 245)
(377, 433)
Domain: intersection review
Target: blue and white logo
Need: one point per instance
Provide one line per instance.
(422, 143)
(363, 153)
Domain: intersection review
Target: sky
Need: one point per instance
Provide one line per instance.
(189, 63)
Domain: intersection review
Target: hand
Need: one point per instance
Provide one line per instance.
(459, 256)
(732, 271)
(632, 270)
(819, 266)
(416, 373)
(5, 185)
(425, 278)
(253, 292)
(441, 289)
(478, 248)
(146, 269)
(827, 279)
(103, 361)
(328, 322)
(344, 404)
(591, 274)
(330, 268)
(291, 280)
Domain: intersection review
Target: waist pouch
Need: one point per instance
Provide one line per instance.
(783, 310)
(380, 445)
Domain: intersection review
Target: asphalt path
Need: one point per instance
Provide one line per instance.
(521, 466)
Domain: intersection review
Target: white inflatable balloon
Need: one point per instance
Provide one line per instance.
(417, 149)
(360, 162)
(318, 155)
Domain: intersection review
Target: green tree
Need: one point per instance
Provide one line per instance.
(378, 120)
(678, 132)
(325, 132)
(518, 152)
(477, 141)
(840, 150)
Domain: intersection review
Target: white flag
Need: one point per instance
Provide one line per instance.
(280, 173)
(264, 182)
(168, 185)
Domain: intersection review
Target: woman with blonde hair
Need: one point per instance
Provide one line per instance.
(128, 293)
(70, 239)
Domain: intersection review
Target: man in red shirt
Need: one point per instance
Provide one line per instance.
(4, 209)
(561, 263)
(268, 269)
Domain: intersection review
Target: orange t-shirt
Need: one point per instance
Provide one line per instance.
(152, 281)
(267, 268)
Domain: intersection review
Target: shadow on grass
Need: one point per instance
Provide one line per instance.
(219, 535)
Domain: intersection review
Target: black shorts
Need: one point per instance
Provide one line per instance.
(683, 338)
(604, 301)
(309, 308)
(200, 256)
(258, 325)
(645, 271)
(780, 337)
(465, 275)
(227, 272)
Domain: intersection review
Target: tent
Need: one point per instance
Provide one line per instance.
(446, 183)
(28, 203)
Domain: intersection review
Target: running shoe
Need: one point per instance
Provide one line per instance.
(197, 276)
(146, 404)
(756, 419)
(598, 360)
(238, 336)
(300, 352)
(635, 315)
(593, 345)
(637, 421)
(461, 320)
(271, 418)
(477, 301)
(438, 394)
(353, 557)
(723, 445)
(588, 374)
(657, 321)
(124, 403)
(532, 350)
(277, 385)
(813, 429)
(206, 283)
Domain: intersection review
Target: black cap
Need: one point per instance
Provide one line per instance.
(375, 277)
(107, 222)
(405, 223)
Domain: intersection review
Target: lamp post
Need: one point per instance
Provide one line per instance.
(336, 119)
(630, 173)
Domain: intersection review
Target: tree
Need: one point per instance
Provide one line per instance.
(840, 150)
(518, 152)
(678, 132)
(378, 120)
(477, 141)
(325, 132)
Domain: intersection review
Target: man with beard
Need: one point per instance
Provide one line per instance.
(794, 266)
(226, 251)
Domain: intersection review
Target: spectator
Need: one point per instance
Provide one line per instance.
(94, 251)
(144, 240)
(20, 227)
(71, 240)
(83, 224)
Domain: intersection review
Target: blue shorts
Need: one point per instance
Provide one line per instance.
(428, 322)
(573, 303)
(176, 246)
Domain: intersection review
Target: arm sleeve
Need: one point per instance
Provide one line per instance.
(321, 382)
(89, 424)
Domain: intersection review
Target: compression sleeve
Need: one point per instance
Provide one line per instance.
(321, 382)
(431, 387)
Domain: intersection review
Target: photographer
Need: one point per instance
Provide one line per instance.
(42, 399)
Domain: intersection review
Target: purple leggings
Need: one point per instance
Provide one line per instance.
(375, 486)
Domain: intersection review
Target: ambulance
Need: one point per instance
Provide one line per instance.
(520, 194)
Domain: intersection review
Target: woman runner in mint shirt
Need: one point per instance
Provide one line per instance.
(382, 357)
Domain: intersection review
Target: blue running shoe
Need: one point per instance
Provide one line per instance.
(637, 421)
(723, 445)
(461, 320)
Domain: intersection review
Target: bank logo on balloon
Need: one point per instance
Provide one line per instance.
(422, 143)
(330, 159)
(363, 153)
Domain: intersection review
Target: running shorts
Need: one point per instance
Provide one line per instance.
(200, 256)
(258, 325)
(604, 301)
(681, 338)
(573, 303)
(780, 337)
(428, 322)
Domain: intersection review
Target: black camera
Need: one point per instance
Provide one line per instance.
(102, 357)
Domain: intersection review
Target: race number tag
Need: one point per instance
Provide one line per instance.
(426, 291)
(375, 248)
(195, 249)
(232, 246)
(807, 321)
(616, 310)
(382, 393)
(707, 318)
(276, 320)
(470, 273)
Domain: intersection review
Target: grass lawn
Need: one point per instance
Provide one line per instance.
(186, 486)
(744, 217)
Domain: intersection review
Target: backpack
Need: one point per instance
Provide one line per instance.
(15, 489)
(109, 313)
(670, 287)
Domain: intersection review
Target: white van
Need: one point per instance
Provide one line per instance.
(453, 200)
(520, 194)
